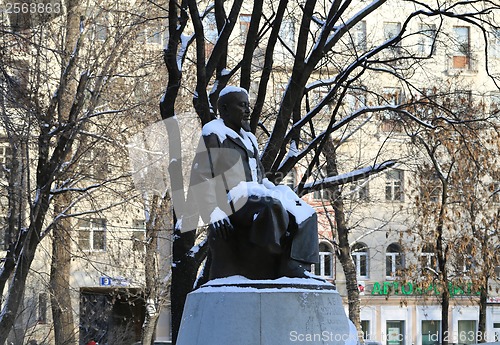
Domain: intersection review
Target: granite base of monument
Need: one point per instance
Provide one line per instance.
(238, 311)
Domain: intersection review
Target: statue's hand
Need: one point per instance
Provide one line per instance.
(222, 228)
(220, 224)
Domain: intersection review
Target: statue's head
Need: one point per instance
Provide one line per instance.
(233, 106)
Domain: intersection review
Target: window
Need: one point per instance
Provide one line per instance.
(495, 192)
(5, 155)
(468, 329)
(100, 31)
(323, 194)
(359, 35)
(461, 51)
(431, 332)
(99, 24)
(394, 185)
(359, 190)
(428, 259)
(360, 258)
(320, 195)
(244, 26)
(287, 33)
(211, 33)
(151, 35)
(326, 263)
(496, 330)
(3, 234)
(426, 39)
(391, 120)
(42, 307)
(154, 35)
(494, 102)
(463, 97)
(391, 30)
(365, 328)
(430, 189)
(395, 332)
(320, 94)
(494, 48)
(393, 260)
(138, 235)
(94, 163)
(92, 234)
(355, 99)
(18, 86)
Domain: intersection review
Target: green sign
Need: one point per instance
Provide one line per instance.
(409, 288)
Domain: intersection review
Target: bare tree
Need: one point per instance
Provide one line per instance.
(456, 167)
(71, 82)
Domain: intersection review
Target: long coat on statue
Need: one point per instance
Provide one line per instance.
(227, 176)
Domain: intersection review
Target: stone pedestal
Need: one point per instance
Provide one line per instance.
(238, 311)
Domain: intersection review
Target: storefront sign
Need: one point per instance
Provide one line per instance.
(409, 288)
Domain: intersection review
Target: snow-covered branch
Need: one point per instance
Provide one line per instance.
(352, 176)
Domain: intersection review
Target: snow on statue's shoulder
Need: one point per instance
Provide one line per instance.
(230, 89)
(218, 128)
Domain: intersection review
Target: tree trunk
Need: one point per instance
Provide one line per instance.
(60, 268)
(158, 210)
(18, 283)
(184, 270)
(344, 250)
(442, 259)
(483, 300)
(445, 306)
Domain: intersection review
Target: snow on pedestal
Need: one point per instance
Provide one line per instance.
(239, 311)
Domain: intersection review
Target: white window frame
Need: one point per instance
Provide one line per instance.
(360, 190)
(245, 20)
(359, 35)
(494, 43)
(357, 256)
(323, 257)
(138, 235)
(154, 35)
(430, 260)
(461, 57)
(93, 226)
(393, 256)
(394, 185)
(494, 101)
(391, 30)
(287, 33)
(356, 98)
(427, 37)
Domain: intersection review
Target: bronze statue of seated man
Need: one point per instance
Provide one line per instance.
(256, 229)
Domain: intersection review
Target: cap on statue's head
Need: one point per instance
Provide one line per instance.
(230, 89)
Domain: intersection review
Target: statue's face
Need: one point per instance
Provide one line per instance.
(235, 109)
